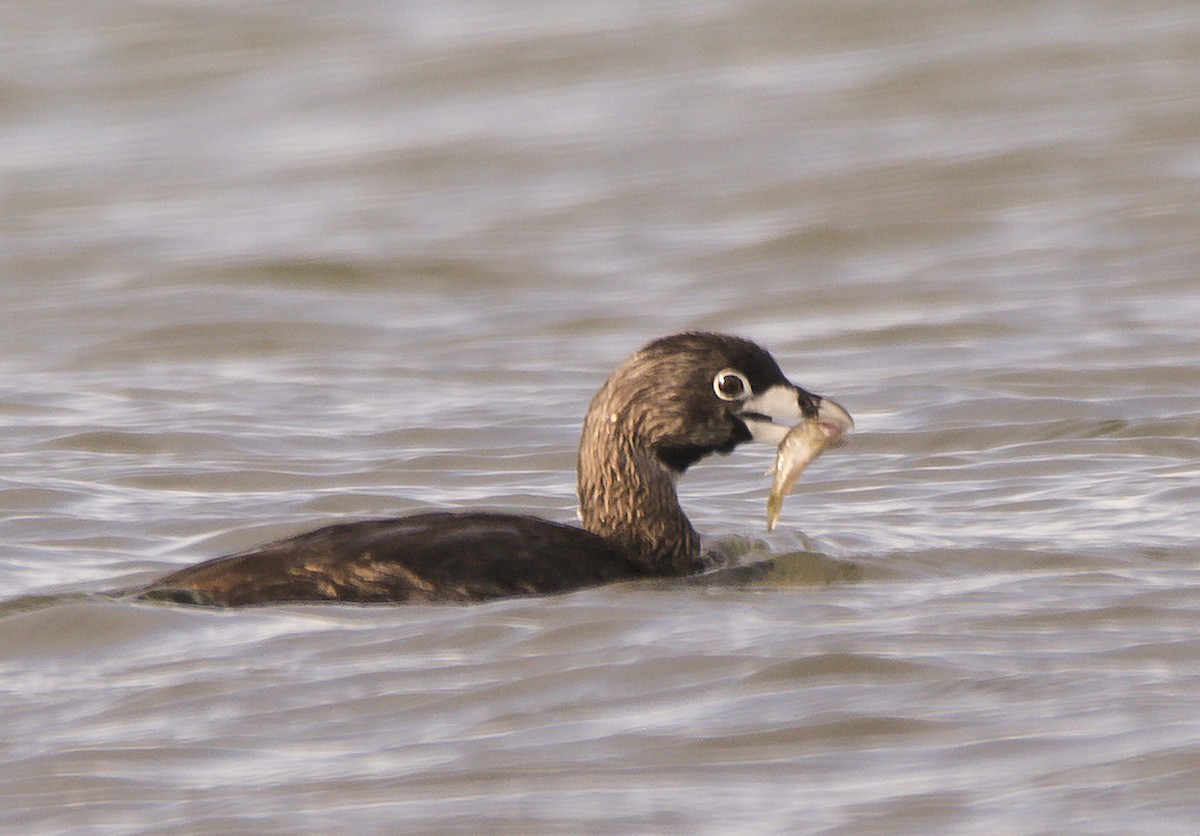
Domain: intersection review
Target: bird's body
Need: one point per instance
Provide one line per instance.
(437, 556)
(677, 400)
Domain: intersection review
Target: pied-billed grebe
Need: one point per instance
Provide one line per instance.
(679, 399)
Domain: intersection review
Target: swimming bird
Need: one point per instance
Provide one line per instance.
(679, 399)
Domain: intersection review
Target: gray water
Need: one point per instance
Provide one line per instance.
(267, 266)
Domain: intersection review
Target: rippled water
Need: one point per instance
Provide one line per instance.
(270, 266)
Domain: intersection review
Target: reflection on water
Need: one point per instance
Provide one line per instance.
(266, 268)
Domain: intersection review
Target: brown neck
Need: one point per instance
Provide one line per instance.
(627, 496)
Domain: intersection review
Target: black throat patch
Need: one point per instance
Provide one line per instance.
(680, 457)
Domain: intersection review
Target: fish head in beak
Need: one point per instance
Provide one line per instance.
(771, 413)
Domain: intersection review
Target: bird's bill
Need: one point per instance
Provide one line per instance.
(770, 414)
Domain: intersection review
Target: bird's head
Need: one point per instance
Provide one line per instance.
(687, 396)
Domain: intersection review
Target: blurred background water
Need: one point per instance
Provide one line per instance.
(267, 266)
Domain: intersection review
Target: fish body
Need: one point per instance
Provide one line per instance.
(803, 443)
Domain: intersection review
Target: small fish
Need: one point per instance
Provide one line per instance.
(803, 443)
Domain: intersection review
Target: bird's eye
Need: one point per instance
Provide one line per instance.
(731, 386)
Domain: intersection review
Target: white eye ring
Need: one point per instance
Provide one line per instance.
(731, 385)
